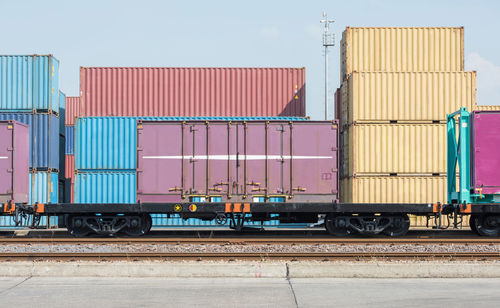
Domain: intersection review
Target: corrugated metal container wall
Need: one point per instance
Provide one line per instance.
(142, 91)
(70, 140)
(14, 160)
(29, 83)
(62, 147)
(70, 166)
(393, 148)
(62, 111)
(370, 97)
(401, 49)
(72, 109)
(110, 142)
(487, 107)
(44, 137)
(105, 187)
(44, 187)
(393, 189)
(338, 105)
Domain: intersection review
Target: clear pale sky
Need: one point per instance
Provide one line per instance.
(233, 33)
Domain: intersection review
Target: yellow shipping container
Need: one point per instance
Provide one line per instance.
(393, 189)
(406, 97)
(406, 49)
(395, 149)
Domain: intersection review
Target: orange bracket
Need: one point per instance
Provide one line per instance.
(437, 207)
(237, 208)
(9, 208)
(39, 208)
(466, 208)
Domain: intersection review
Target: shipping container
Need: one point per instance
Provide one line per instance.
(44, 138)
(105, 187)
(412, 97)
(43, 187)
(29, 83)
(237, 160)
(69, 166)
(338, 105)
(391, 49)
(109, 143)
(164, 91)
(393, 149)
(70, 140)
(62, 112)
(62, 150)
(393, 189)
(485, 152)
(487, 107)
(72, 110)
(14, 160)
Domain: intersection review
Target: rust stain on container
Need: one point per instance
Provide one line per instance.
(72, 109)
(141, 91)
(393, 149)
(413, 97)
(393, 49)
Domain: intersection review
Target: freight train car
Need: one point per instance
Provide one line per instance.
(236, 171)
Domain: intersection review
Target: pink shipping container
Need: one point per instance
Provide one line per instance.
(72, 109)
(155, 91)
(237, 161)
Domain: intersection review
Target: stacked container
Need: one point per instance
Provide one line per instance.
(398, 85)
(29, 93)
(113, 99)
(72, 111)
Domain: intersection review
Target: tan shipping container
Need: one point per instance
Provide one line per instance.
(395, 49)
(395, 149)
(487, 107)
(403, 96)
(393, 189)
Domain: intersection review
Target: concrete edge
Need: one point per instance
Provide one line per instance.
(254, 270)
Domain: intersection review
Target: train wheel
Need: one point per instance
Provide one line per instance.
(487, 225)
(399, 227)
(76, 226)
(472, 223)
(336, 227)
(140, 225)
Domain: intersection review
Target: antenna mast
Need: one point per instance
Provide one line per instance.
(328, 40)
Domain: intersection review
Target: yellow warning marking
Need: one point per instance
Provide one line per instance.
(177, 207)
(192, 207)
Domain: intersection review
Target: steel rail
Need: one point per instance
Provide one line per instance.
(250, 256)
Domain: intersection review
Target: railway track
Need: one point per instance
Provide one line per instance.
(482, 256)
(250, 241)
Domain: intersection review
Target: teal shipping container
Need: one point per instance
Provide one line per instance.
(110, 143)
(29, 83)
(43, 187)
(105, 187)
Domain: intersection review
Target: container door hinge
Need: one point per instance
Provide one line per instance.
(10, 170)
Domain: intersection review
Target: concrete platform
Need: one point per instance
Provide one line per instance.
(242, 269)
(243, 292)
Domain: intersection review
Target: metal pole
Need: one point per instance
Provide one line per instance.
(328, 40)
(326, 83)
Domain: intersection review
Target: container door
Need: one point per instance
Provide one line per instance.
(314, 159)
(160, 163)
(196, 160)
(278, 134)
(254, 154)
(486, 143)
(221, 156)
(6, 173)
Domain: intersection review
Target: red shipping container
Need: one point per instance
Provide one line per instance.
(69, 171)
(72, 109)
(150, 91)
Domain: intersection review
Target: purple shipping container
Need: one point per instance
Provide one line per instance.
(14, 161)
(237, 160)
(486, 151)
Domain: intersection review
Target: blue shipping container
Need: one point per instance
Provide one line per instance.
(29, 83)
(43, 187)
(62, 156)
(62, 112)
(70, 140)
(105, 187)
(109, 143)
(44, 138)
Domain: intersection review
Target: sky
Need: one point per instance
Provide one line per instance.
(234, 33)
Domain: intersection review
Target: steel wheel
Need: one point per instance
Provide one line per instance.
(76, 226)
(140, 225)
(336, 227)
(472, 223)
(487, 225)
(399, 227)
